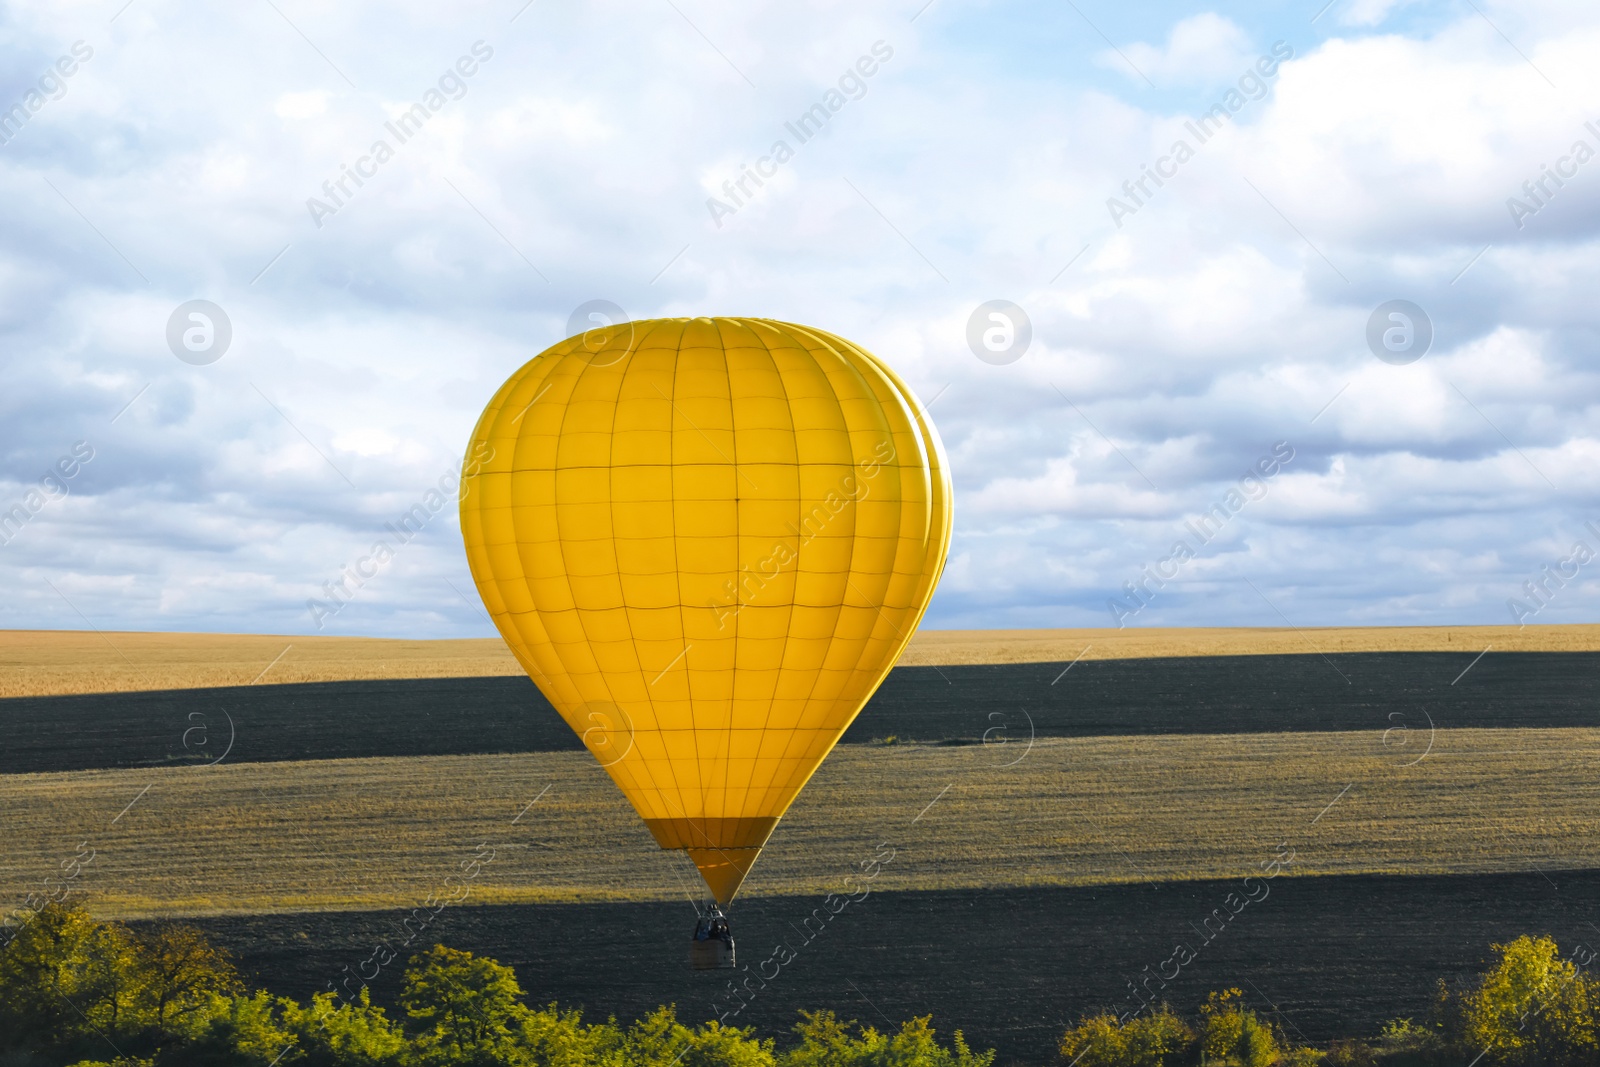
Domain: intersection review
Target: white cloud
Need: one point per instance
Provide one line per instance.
(1201, 49)
(1366, 12)
(1206, 328)
(301, 105)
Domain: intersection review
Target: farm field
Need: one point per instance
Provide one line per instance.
(1325, 957)
(387, 833)
(1055, 823)
(52, 663)
(1397, 692)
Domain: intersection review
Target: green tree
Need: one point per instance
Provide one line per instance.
(1258, 1045)
(656, 1040)
(470, 1008)
(66, 979)
(556, 1038)
(715, 1045)
(236, 1031)
(352, 1034)
(1231, 1033)
(660, 1040)
(1221, 1024)
(179, 973)
(110, 981)
(44, 973)
(917, 1045)
(1532, 1008)
(824, 1042)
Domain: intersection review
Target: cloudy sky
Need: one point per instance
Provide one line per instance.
(1179, 334)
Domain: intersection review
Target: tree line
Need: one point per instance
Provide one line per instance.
(74, 991)
(1531, 1008)
(78, 992)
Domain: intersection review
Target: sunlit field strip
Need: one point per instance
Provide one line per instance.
(377, 833)
(46, 663)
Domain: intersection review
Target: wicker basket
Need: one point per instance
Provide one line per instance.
(710, 955)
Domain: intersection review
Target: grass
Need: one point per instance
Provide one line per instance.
(382, 833)
(52, 663)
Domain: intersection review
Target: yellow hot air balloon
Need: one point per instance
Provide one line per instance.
(707, 541)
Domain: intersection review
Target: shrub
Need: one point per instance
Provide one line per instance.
(1229, 1034)
(1405, 1042)
(1304, 1057)
(1351, 1053)
(1097, 1041)
(1159, 1039)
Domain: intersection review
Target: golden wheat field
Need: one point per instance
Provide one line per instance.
(375, 833)
(47, 663)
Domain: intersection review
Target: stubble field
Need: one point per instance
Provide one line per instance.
(386, 833)
(58, 662)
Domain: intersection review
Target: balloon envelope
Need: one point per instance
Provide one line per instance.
(707, 541)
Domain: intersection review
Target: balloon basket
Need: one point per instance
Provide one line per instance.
(713, 955)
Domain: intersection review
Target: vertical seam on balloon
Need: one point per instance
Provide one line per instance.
(485, 426)
(853, 375)
(784, 651)
(938, 489)
(611, 498)
(940, 503)
(561, 542)
(907, 412)
(914, 427)
(566, 575)
(733, 700)
(803, 333)
(565, 673)
(840, 346)
(940, 499)
(672, 499)
(537, 381)
(799, 553)
(676, 787)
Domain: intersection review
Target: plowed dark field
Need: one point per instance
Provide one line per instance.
(461, 716)
(1331, 956)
